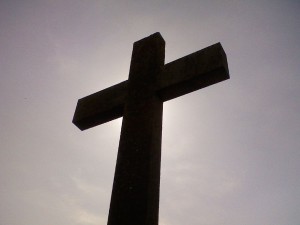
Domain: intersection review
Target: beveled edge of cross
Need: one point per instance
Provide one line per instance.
(184, 75)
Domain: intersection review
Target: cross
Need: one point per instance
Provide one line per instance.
(135, 194)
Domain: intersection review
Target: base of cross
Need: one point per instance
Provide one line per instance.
(135, 194)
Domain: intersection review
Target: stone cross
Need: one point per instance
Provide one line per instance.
(135, 194)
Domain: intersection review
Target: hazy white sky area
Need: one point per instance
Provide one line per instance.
(230, 152)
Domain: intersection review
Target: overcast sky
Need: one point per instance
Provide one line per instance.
(230, 152)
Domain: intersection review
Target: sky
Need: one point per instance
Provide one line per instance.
(230, 152)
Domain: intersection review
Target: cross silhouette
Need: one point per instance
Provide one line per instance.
(135, 194)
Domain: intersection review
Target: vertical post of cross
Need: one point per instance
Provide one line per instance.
(135, 195)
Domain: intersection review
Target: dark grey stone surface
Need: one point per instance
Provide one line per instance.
(135, 195)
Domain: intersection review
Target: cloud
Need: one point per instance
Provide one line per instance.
(88, 188)
(83, 217)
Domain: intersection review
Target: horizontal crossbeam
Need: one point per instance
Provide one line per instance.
(187, 74)
(101, 107)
